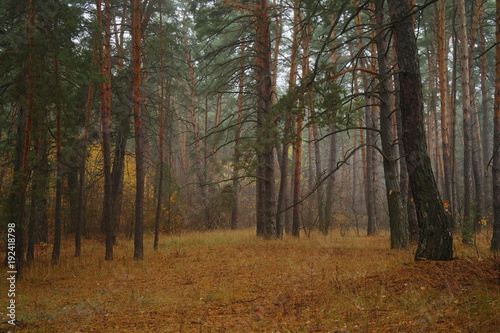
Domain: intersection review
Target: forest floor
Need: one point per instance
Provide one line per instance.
(232, 281)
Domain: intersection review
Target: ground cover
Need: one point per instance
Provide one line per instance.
(231, 281)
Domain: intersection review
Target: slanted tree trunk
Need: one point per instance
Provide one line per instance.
(139, 132)
(435, 239)
(398, 224)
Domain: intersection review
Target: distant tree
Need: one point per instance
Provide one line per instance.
(435, 240)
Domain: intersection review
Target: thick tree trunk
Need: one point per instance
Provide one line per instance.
(38, 217)
(398, 224)
(139, 132)
(265, 125)
(435, 240)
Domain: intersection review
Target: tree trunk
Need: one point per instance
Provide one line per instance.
(139, 132)
(17, 194)
(442, 64)
(82, 172)
(467, 223)
(283, 194)
(56, 250)
(435, 240)
(105, 91)
(485, 96)
(495, 241)
(161, 132)
(265, 125)
(237, 137)
(38, 218)
(200, 162)
(398, 224)
(369, 172)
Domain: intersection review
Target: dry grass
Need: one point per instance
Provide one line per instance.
(231, 281)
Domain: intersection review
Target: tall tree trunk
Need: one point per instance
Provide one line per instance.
(467, 223)
(485, 111)
(56, 250)
(161, 134)
(442, 64)
(435, 240)
(265, 125)
(495, 241)
(82, 172)
(237, 139)
(139, 132)
(200, 162)
(398, 224)
(38, 217)
(369, 173)
(106, 104)
(17, 194)
(283, 194)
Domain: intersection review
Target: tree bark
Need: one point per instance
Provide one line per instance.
(106, 104)
(56, 250)
(467, 223)
(237, 139)
(435, 239)
(139, 131)
(495, 241)
(161, 134)
(369, 172)
(265, 125)
(398, 224)
(442, 64)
